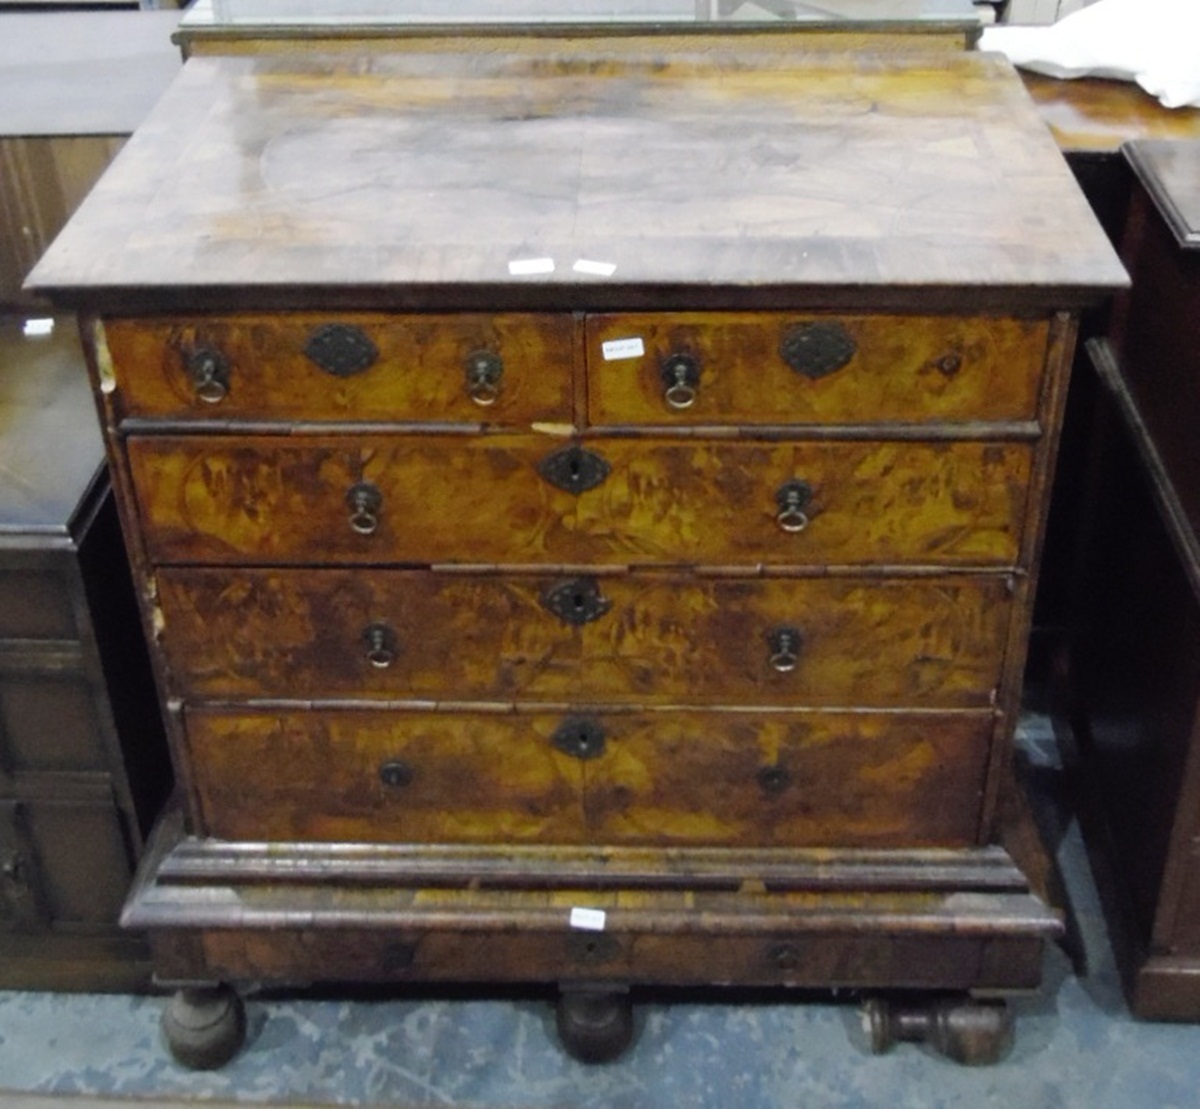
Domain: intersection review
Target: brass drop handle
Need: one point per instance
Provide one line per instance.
(365, 502)
(681, 380)
(784, 645)
(209, 373)
(382, 645)
(792, 499)
(484, 371)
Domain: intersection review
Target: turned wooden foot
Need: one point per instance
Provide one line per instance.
(976, 1033)
(595, 1024)
(204, 1026)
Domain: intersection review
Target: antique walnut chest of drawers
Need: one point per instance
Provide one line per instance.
(586, 513)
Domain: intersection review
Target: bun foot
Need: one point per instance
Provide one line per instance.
(204, 1026)
(975, 1033)
(595, 1025)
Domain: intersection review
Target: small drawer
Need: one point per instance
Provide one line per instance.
(701, 948)
(769, 369)
(722, 778)
(427, 369)
(35, 603)
(626, 639)
(49, 722)
(65, 863)
(533, 500)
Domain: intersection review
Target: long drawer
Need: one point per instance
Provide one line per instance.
(740, 778)
(759, 368)
(508, 499)
(934, 642)
(466, 368)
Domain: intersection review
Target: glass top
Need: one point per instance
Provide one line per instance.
(698, 14)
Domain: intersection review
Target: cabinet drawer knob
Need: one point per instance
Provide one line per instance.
(14, 871)
(792, 499)
(396, 773)
(382, 645)
(341, 350)
(817, 349)
(784, 645)
(773, 779)
(681, 380)
(209, 373)
(365, 502)
(484, 371)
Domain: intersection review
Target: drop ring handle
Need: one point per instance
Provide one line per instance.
(365, 502)
(792, 500)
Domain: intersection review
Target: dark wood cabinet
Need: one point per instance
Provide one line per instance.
(83, 761)
(1135, 643)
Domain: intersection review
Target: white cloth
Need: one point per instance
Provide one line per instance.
(1153, 42)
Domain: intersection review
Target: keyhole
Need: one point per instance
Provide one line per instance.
(579, 600)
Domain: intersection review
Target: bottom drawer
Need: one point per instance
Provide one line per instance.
(65, 864)
(661, 778)
(849, 958)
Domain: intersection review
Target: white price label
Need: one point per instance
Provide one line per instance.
(590, 920)
(616, 349)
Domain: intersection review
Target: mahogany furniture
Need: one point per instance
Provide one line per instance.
(1135, 657)
(586, 511)
(83, 759)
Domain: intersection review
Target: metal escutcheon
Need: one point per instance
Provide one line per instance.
(484, 371)
(577, 602)
(341, 350)
(817, 349)
(209, 373)
(580, 737)
(365, 502)
(792, 499)
(574, 469)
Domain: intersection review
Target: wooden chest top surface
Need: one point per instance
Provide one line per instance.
(401, 180)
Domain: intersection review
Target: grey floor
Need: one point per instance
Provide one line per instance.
(1076, 1044)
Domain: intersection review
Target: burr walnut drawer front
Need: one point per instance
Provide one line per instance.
(720, 778)
(435, 369)
(713, 369)
(678, 937)
(622, 639)
(532, 500)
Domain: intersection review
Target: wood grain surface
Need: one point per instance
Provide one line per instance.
(822, 176)
(419, 374)
(919, 370)
(775, 779)
(883, 642)
(454, 499)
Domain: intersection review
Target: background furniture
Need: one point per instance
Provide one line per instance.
(72, 87)
(83, 761)
(1135, 657)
